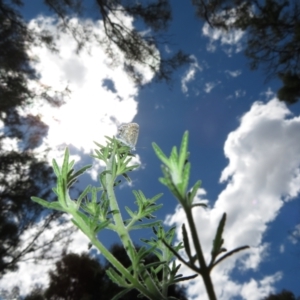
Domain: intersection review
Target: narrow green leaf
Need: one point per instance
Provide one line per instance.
(71, 164)
(199, 204)
(229, 254)
(55, 168)
(65, 165)
(146, 225)
(194, 190)
(71, 182)
(81, 171)
(82, 195)
(174, 155)
(41, 201)
(56, 205)
(126, 177)
(121, 294)
(185, 178)
(183, 154)
(155, 264)
(186, 278)
(160, 154)
(130, 212)
(186, 242)
(218, 241)
(116, 278)
(102, 225)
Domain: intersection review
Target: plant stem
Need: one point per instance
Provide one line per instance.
(204, 269)
(125, 237)
(110, 257)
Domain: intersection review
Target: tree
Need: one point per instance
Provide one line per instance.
(136, 47)
(22, 175)
(79, 277)
(283, 295)
(273, 36)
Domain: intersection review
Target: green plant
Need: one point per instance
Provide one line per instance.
(97, 209)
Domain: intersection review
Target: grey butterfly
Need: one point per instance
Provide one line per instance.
(128, 134)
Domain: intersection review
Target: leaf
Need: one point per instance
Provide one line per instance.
(193, 192)
(65, 165)
(56, 205)
(126, 177)
(146, 225)
(186, 242)
(130, 212)
(116, 278)
(80, 171)
(40, 201)
(183, 155)
(185, 178)
(55, 168)
(218, 241)
(160, 154)
(229, 254)
(122, 293)
(174, 156)
(200, 204)
(102, 225)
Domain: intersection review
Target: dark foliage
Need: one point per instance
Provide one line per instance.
(283, 295)
(135, 46)
(273, 35)
(79, 277)
(21, 176)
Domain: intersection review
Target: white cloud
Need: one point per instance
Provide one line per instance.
(210, 85)
(239, 93)
(235, 73)
(231, 41)
(262, 173)
(269, 94)
(294, 237)
(190, 74)
(254, 289)
(281, 248)
(92, 110)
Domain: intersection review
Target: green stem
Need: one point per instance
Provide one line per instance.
(110, 257)
(204, 269)
(121, 229)
(124, 235)
(165, 272)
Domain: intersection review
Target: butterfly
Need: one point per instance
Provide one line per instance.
(128, 134)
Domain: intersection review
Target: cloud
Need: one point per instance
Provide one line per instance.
(190, 74)
(93, 109)
(210, 85)
(239, 93)
(261, 175)
(231, 41)
(294, 237)
(235, 73)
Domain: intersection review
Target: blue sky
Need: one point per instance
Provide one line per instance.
(244, 145)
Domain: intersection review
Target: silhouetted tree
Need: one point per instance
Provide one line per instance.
(273, 35)
(134, 45)
(21, 176)
(290, 91)
(79, 277)
(283, 295)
